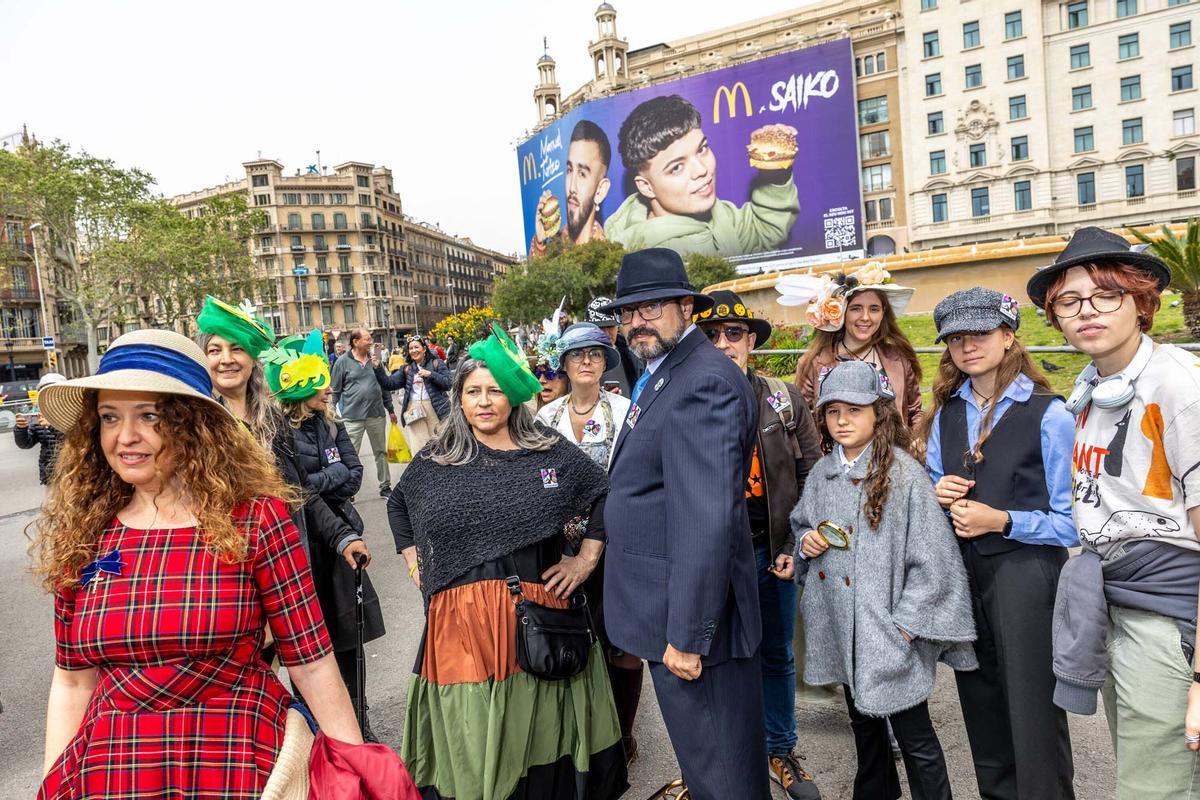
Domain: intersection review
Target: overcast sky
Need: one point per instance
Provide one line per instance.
(437, 90)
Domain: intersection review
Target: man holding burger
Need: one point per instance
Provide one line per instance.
(588, 157)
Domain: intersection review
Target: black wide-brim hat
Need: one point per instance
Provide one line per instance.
(728, 307)
(1093, 245)
(655, 273)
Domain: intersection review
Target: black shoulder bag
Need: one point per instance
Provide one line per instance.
(552, 643)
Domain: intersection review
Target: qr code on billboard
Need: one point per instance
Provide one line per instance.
(839, 231)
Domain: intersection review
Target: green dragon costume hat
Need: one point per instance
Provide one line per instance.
(240, 325)
(508, 366)
(296, 368)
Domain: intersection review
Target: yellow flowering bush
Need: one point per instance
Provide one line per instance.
(467, 327)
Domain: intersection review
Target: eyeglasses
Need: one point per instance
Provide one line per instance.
(1102, 302)
(834, 535)
(733, 333)
(649, 311)
(543, 372)
(585, 354)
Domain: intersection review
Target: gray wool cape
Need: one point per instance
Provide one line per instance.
(906, 573)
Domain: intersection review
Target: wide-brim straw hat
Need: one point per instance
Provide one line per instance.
(163, 362)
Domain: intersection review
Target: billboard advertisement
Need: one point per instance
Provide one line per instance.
(757, 163)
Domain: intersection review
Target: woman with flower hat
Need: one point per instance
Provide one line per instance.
(854, 319)
(160, 506)
(485, 516)
(232, 337)
(330, 473)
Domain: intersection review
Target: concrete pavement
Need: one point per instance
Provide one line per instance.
(27, 657)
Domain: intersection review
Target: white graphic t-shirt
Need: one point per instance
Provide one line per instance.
(1137, 468)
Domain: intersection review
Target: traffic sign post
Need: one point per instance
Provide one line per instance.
(300, 272)
(47, 342)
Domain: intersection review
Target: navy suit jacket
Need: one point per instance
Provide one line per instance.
(679, 566)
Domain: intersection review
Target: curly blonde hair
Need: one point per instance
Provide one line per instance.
(217, 465)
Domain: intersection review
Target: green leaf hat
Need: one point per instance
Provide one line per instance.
(238, 324)
(296, 368)
(508, 366)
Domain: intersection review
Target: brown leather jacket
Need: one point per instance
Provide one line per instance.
(904, 382)
(786, 452)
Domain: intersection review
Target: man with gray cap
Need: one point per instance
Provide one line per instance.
(680, 583)
(626, 373)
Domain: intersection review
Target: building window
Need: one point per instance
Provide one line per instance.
(1081, 97)
(1022, 196)
(977, 155)
(315, 199)
(1127, 46)
(1185, 173)
(885, 208)
(293, 222)
(1012, 25)
(980, 204)
(1085, 185)
(1178, 2)
(1131, 87)
(364, 181)
(930, 44)
(266, 242)
(322, 263)
(970, 35)
(364, 199)
(934, 123)
(1077, 14)
(875, 145)
(339, 221)
(872, 111)
(291, 198)
(262, 199)
(937, 162)
(939, 207)
(933, 84)
(974, 76)
(1131, 131)
(258, 180)
(1084, 141)
(338, 198)
(878, 210)
(343, 263)
(1181, 78)
(1016, 107)
(1181, 34)
(1126, 8)
(880, 62)
(1020, 148)
(1184, 122)
(1081, 56)
(1016, 67)
(318, 222)
(877, 178)
(1135, 181)
(928, 5)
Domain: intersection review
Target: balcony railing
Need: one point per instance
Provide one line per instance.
(298, 248)
(343, 246)
(18, 294)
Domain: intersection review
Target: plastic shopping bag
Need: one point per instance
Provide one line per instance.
(397, 448)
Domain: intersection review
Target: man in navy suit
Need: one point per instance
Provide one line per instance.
(680, 583)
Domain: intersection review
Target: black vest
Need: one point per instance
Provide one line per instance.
(1011, 476)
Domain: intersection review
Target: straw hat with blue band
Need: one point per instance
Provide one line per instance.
(163, 362)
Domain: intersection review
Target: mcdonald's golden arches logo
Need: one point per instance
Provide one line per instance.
(730, 95)
(529, 169)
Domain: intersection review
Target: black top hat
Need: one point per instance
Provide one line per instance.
(1093, 245)
(655, 273)
(728, 307)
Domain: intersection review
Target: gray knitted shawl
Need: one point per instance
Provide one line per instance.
(500, 502)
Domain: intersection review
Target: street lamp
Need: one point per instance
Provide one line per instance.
(10, 345)
(37, 269)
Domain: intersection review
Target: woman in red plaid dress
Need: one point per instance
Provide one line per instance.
(168, 550)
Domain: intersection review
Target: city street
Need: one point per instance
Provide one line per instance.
(26, 661)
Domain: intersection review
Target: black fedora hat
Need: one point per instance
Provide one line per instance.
(1093, 245)
(655, 273)
(728, 307)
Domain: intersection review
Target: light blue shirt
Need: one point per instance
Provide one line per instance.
(1053, 527)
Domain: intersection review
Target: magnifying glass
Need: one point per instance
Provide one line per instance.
(834, 535)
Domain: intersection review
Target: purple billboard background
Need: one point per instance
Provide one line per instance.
(812, 89)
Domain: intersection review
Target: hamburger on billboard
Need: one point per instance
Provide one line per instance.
(757, 163)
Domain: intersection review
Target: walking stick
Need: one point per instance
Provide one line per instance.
(360, 663)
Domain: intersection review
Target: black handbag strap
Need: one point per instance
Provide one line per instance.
(513, 582)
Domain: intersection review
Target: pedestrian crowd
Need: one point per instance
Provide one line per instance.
(631, 495)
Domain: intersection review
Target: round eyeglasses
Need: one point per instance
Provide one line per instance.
(1102, 302)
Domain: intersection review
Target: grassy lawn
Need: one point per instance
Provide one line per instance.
(1168, 327)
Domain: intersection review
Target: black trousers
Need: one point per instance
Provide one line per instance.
(1019, 739)
(877, 778)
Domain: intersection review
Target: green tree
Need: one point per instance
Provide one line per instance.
(84, 203)
(531, 290)
(1182, 255)
(704, 271)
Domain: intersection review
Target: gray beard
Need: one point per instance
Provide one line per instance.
(658, 347)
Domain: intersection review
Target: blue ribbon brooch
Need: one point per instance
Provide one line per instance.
(111, 563)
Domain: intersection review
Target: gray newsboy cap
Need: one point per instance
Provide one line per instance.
(975, 310)
(855, 382)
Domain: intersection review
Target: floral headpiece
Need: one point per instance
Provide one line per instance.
(548, 347)
(825, 295)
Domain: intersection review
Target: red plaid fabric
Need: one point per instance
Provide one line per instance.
(184, 707)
